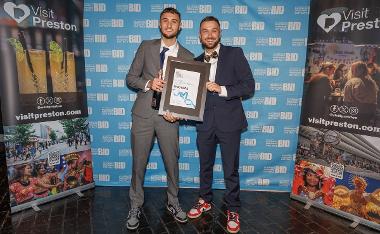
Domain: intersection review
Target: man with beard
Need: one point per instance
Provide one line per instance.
(224, 120)
(147, 69)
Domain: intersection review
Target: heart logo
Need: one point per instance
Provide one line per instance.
(328, 22)
(17, 12)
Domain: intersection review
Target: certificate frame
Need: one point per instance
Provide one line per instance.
(196, 111)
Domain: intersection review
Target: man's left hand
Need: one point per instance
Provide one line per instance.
(213, 87)
(168, 116)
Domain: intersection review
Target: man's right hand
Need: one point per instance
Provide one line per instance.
(157, 84)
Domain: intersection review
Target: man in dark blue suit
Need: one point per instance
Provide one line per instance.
(224, 119)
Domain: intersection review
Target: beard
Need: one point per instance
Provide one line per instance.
(171, 36)
(212, 46)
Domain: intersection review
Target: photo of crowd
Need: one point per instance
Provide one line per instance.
(357, 153)
(28, 142)
(342, 74)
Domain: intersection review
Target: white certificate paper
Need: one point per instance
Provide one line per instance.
(185, 88)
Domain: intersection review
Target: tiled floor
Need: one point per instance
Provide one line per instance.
(104, 210)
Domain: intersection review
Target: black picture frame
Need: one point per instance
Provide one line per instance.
(195, 113)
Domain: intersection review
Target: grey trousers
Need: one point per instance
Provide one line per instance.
(142, 137)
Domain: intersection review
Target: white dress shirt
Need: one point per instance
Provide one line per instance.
(214, 66)
(173, 51)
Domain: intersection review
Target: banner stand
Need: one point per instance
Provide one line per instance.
(356, 220)
(44, 102)
(337, 163)
(34, 204)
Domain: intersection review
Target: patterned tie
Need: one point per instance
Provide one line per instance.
(162, 56)
(212, 55)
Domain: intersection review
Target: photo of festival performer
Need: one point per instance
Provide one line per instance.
(359, 196)
(32, 181)
(22, 186)
(75, 169)
(312, 181)
(48, 182)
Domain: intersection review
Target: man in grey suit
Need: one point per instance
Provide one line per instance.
(144, 75)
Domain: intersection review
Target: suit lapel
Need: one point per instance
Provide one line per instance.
(220, 65)
(180, 51)
(200, 58)
(155, 53)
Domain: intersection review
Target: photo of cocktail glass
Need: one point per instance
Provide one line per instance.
(62, 68)
(31, 74)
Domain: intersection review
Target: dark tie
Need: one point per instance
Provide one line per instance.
(156, 99)
(212, 55)
(162, 56)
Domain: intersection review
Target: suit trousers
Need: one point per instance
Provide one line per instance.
(230, 148)
(142, 137)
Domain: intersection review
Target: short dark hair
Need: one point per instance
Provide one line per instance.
(210, 18)
(170, 10)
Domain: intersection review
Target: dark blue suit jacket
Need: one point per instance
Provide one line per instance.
(233, 72)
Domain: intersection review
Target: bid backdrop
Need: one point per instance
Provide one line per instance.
(273, 36)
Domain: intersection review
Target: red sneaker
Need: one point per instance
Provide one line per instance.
(233, 223)
(198, 209)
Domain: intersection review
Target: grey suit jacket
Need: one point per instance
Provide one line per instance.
(145, 66)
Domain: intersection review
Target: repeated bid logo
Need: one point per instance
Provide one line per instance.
(328, 22)
(18, 12)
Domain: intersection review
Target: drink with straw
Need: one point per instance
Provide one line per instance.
(31, 68)
(62, 67)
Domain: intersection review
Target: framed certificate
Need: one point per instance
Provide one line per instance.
(185, 91)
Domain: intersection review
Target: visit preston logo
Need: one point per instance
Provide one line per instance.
(328, 22)
(17, 12)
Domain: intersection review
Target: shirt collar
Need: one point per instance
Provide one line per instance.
(216, 49)
(171, 48)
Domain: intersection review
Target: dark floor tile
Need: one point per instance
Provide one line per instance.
(159, 228)
(7, 230)
(267, 228)
(43, 229)
(188, 228)
(84, 231)
(218, 229)
(315, 227)
(104, 210)
(26, 225)
(204, 223)
(100, 230)
(23, 231)
(173, 228)
(147, 230)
